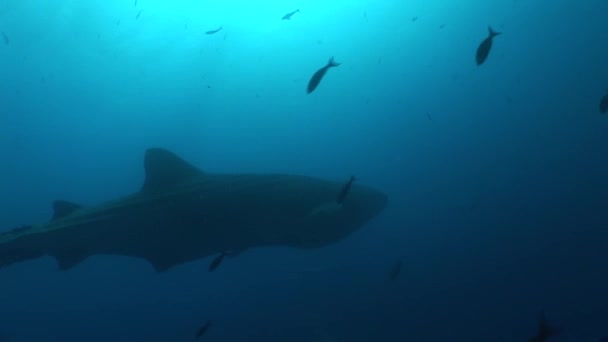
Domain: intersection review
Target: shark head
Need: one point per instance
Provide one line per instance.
(330, 221)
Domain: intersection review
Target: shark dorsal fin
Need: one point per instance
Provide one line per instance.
(63, 208)
(164, 170)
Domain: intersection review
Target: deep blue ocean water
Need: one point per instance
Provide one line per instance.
(497, 175)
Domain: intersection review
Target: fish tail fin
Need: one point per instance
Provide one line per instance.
(333, 63)
(493, 33)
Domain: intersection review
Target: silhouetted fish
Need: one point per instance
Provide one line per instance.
(214, 31)
(395, 271)
(5, 38)
(216, 262)
(544, 330)
(290, 14)
(138, 14)
(203, 330)
(486, 45)
(318, 76)
(604, 104)
(135, 3)
(345, 190)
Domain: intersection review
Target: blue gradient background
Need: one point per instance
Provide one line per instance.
(497, 205)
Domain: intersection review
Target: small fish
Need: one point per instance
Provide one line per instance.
(138, 14)
(414, 18)
(217, 261)
(345, 190)
(135, 3)
(290, 14)
(395, 271)
(318, 75)
(430, 117)
(5, 38)
(485, 46)
(214, 31)
(604, 104)
(203, 329)
(544, 330)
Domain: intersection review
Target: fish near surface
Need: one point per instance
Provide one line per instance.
(483, 50)
(182, 214)
(214, 31)
(290, 14)
(319, 74)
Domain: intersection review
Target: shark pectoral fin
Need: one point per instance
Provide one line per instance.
(64, 208)
(68, 258)
(160, 264)
(165, 170)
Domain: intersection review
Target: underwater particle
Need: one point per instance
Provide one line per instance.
(5, 38)
(415, 18)
(203, 330)
(544, 330)
(319, 74)
(214, 31)
(604, 104)
(395, 270)
(290, 14)
(138, 14)
(135, 3)
(485, 46)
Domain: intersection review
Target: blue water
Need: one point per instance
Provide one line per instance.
(496, 174)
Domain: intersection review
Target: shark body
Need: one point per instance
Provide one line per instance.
(182, 214)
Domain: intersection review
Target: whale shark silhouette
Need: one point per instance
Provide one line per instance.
(182, 214)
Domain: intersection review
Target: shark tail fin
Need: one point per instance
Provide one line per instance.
(493, 33)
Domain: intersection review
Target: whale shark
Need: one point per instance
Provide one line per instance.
(183, 213)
